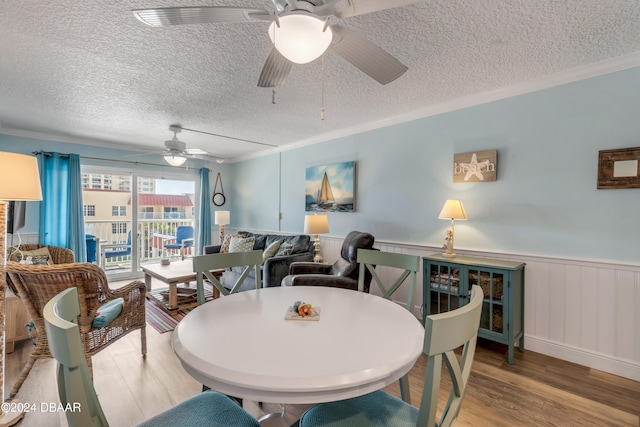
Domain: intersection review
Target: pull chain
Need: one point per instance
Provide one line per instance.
(273, 89)
(322, 93)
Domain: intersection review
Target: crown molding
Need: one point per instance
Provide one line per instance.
(584, 72)
(71, 139)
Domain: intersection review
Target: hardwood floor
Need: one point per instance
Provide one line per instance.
(536, 390)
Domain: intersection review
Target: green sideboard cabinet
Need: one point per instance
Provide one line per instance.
(447, 285)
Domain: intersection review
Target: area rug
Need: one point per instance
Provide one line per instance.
(162, 319)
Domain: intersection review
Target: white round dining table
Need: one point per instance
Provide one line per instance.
(241, 344)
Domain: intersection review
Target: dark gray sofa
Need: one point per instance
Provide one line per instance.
(273, 269)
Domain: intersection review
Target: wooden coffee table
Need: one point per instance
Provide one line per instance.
(173, 274)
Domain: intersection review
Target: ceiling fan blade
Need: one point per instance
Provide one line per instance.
(161, 17)
(195, 151)
(346, 8)
(275, 70)
(368, 57)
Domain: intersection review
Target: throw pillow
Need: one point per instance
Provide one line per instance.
(107, 312)
(285, 249)
(40, 253)
(224, 248)
(37, 260)
(271, 250)
(239, 244)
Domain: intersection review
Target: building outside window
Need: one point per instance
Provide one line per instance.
(171, 212)
(119, 227)
(89, 210)
(118, 211)
(146, 212)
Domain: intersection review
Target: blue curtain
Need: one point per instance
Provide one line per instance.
(61, 220)
(204, 230)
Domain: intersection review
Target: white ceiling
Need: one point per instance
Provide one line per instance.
(89, 71)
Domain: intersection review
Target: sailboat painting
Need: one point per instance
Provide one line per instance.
(330, 188)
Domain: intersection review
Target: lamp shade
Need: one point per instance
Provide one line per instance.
(19, 177)
(301, 37)
(453, 209)
(222, 217)
(175, 160)
(316, 224)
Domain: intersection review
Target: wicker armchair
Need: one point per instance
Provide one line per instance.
(58, 255)
(37, 284)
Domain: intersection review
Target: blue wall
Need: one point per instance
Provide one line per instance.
(544, 202)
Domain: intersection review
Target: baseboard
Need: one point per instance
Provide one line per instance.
(602, 362)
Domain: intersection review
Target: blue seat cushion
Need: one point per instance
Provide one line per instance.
(178, 245)
(107, 312)
(117, 252)
(209, 408)
(377, 409)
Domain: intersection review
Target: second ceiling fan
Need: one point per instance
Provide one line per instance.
(300, 32)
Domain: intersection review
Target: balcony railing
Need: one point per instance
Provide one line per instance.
(153, 235)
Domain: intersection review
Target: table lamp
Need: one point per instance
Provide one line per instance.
(19, 180)
(452, 210)
(316, 225)
(222, 218)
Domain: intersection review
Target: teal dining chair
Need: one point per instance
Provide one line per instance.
(444, 333)
(76, 390)
(406, 267)
(203, 266)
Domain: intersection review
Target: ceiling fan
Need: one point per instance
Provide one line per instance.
(300, 32)
(176, 151)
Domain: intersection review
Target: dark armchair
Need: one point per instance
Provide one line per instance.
(343, 273)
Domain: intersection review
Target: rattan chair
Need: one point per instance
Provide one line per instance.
(58, 255)
(37, 284)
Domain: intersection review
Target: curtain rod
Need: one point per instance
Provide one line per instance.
(48, 153)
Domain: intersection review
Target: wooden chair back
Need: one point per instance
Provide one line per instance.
(444, 333)
(408, 264)
(75, 387)
(203, 266)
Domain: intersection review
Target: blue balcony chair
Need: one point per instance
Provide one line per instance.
(75, 387)
(92, 248)
(184, 239)
(116, 250)
(443, 334)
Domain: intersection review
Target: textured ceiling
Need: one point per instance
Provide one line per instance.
(90, 71)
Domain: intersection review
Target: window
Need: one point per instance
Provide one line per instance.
(89, 210)
(119, 227)
(118, 211)
(171, 212)
(146, 212)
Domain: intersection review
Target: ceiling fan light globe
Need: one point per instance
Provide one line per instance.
(175, 160)
(301, 37)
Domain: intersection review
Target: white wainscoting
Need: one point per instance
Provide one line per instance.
(21, 238)
(583, 312)
(580, 311)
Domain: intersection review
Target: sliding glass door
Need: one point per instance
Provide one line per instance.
(130, 218)
(166, 213)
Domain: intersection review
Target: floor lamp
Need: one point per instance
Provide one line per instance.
(222, 218)
(316, 225)
(19, 180)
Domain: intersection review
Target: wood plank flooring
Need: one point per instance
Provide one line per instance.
(536, 390)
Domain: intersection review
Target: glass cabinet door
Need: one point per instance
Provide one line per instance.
(491, 283)
(444, 284)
